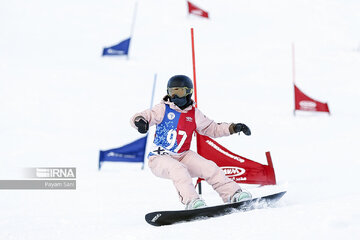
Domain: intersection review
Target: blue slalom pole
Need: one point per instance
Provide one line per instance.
(151, 105)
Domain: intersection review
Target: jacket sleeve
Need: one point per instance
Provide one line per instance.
(154, 115)
(208, 127)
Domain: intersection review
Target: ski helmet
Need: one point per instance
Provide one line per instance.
(180, 89)
(180, 81)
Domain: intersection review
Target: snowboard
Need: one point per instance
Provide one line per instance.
(161, 218)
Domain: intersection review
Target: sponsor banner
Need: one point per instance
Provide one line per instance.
(119, 49)
(132, 152)
(305, 103)
(236, 167)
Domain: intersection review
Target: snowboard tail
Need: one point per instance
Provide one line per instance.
(161, 218)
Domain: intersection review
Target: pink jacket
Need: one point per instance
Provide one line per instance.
(204, 125)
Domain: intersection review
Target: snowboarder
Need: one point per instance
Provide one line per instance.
(176, 119)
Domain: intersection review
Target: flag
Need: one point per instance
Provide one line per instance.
(119, 49)
(236, 167)
(197, 11)
(132, 152)
(305, 103)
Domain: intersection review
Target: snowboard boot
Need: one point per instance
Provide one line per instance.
(240, 196)
(196, 203)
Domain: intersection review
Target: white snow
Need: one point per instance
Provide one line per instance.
(61, 102)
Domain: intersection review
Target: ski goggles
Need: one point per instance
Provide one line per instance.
(179, 91)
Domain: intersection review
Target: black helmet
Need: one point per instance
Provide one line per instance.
(180, 89)
(180, 81)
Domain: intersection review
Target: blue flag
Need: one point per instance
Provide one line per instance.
(132, 152)
(119, 49)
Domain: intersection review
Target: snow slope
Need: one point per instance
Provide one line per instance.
(61, 102)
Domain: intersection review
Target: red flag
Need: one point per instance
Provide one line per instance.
(237, 168)
(305, 103)
(197, 11)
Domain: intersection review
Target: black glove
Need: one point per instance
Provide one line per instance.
(141, 124)
(240, 127)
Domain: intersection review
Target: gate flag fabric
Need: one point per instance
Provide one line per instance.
(236, 167)
(197, 11)
(305, 103)
(119, 49)
(132, 152)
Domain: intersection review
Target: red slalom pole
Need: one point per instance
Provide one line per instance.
(195, 88)
(293, 61)
(193, 60)
(293, 73)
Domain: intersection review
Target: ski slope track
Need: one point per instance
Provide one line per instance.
(61, 102)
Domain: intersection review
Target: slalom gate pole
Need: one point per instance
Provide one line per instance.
(151, 105)
(293, 72)
(293, 62)
(153, 91)
(193, 61)
(195, 88)
(132, 25)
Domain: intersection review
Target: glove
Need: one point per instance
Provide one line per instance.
(141, 124)
(239, 127)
